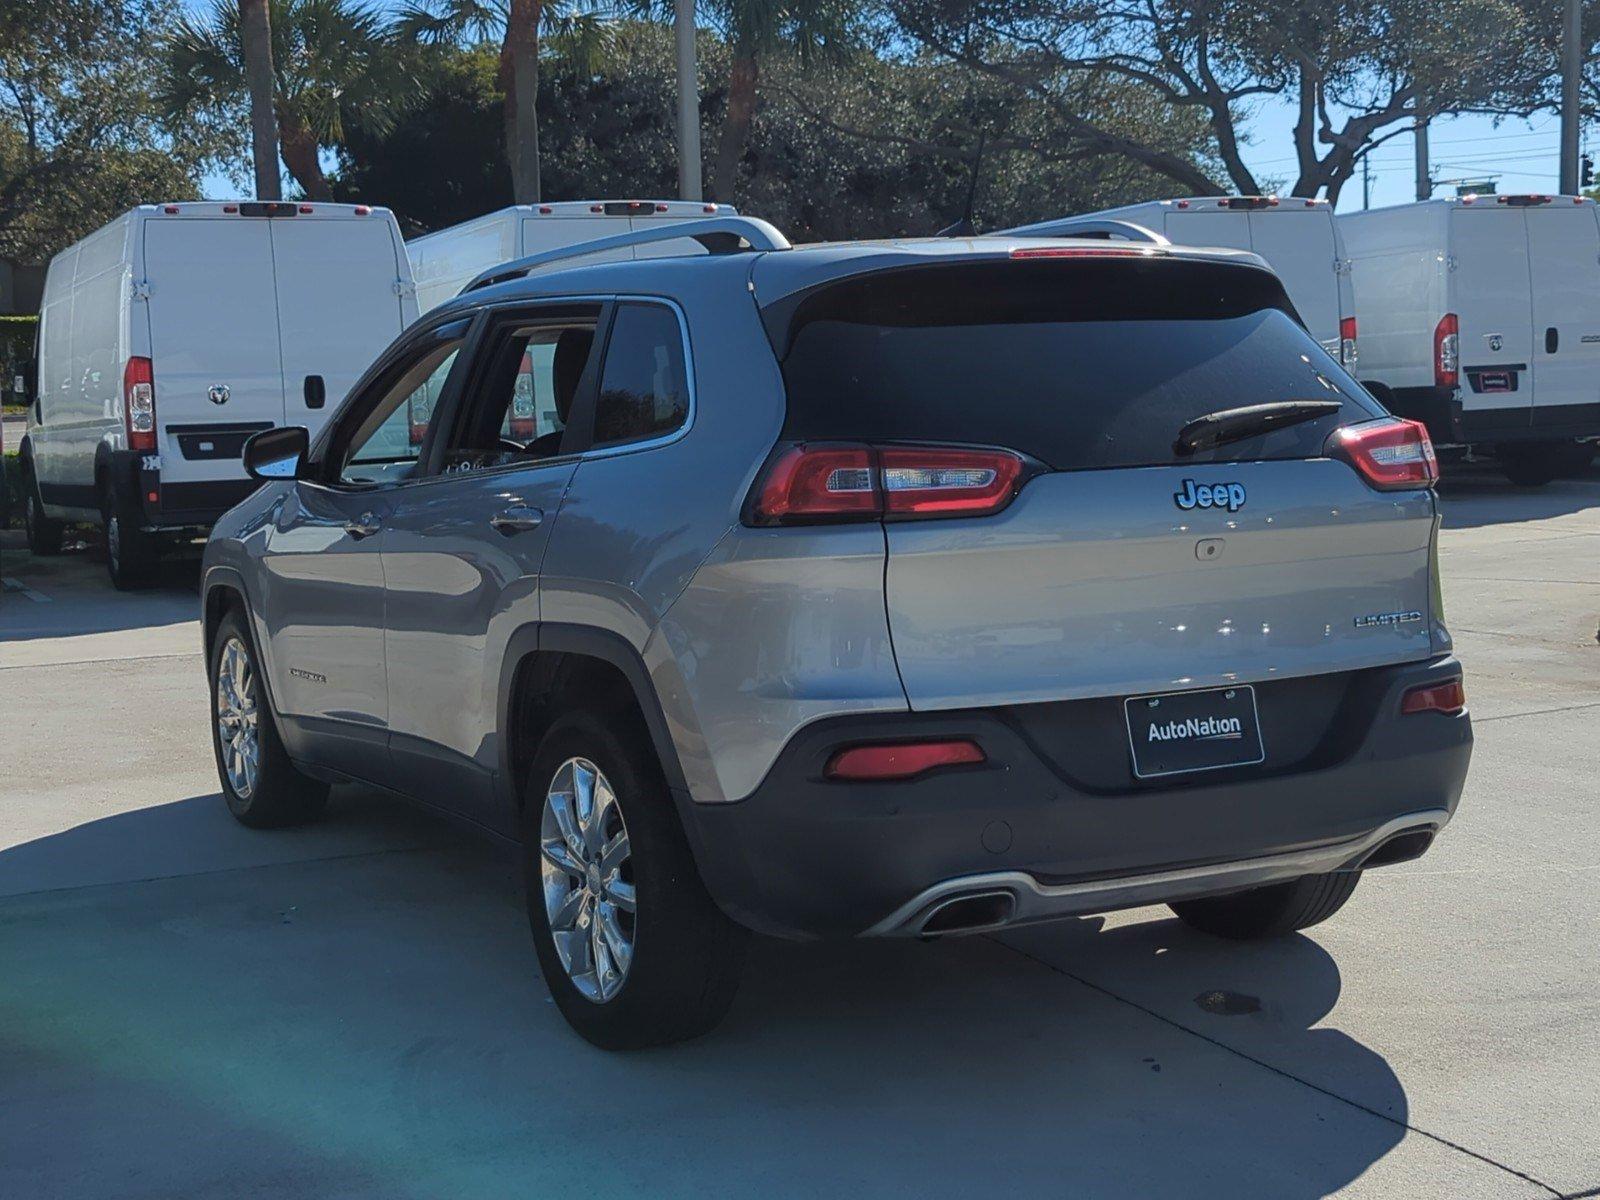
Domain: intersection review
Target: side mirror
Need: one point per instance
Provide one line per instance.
(276, 453)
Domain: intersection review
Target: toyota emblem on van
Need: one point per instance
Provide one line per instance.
(218, 393)
(1209, 495)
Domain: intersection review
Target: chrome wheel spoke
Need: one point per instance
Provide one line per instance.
(615, 853)
(566, 913)
(584, 857)
(617, 943)
(555, 852)
(620, 893)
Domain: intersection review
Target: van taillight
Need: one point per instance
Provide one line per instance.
(819, 482)
(1447, 351)
(1390, 454)
(1347, 343)
(139, 403)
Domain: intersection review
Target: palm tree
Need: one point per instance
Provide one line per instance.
(255, 28)
(334, 65)
(519, 25)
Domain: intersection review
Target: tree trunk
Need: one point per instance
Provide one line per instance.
(735, 124)
(255, 32)
(521, 49)
(300, 156)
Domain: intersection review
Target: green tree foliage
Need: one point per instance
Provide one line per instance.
(868, 147)
(80, 135)
(335, 69)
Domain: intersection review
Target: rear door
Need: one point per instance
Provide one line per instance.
(1230, 229)
(1299, 246)
(1492, 298)
(213, 340)
(338, 307)
(1105, 576)
(1564, 263)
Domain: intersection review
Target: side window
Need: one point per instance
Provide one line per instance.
(386, 445)
(644, 387)
(522, 392)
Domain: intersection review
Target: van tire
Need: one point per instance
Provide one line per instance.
(1533, 464)
(1271, 911)
(280, 795)
(132, 555)
(44, 533)
(686, 955)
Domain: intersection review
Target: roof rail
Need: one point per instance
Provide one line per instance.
(1092, 227)
(719, 235)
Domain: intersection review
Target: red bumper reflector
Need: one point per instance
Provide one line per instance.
(901, 760)
(1449, 698)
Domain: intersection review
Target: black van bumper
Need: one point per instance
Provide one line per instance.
(1055, 817)
(1450, 424)
(173, 506)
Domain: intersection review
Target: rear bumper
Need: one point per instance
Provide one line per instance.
(175, 506)
(806, 857)
(1449, 424)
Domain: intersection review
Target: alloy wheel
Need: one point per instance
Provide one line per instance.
(586, 871)
(238, 731)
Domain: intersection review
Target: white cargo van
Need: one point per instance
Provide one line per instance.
(1299, 239)
(172, 334)
(445, 262)
(1481, 318)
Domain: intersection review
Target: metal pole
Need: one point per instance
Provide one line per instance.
(1424, 183)
(1571, 68)
(1366, 183)
(689, 187)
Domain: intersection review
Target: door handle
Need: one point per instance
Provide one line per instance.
(316, 392)
(1552, 340)
(519, 518)
(363, 526)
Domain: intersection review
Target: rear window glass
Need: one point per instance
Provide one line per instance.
(1082, 364)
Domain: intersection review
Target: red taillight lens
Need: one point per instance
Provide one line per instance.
(1347, 343)
(1449, 698)
(1390, 454)
(901, 760)
(139, 404)
(1447, 351)
(821, 481)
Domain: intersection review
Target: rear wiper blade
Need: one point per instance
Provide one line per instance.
(1236, 424)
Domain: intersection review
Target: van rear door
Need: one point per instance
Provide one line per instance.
(1564, 263)
(1123, 566)
(213, 341)
(338, 306)
(1491, 295)
(1299, 244)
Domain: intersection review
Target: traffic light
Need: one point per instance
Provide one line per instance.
(1586, 172)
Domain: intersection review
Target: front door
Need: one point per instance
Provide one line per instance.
(463, 552)
(324, 593)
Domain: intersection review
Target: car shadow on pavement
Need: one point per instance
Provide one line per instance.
(1477, 497)
(370, 1022)
(70, 594)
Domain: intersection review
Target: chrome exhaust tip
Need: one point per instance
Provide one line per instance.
(975, 912)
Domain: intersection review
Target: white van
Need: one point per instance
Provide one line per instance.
(172, 334)
(445, 262)
(1299, 238)
(1481, 318)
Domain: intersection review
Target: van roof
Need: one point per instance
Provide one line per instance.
(1267, 203)
(315, 209)
(1507, 200)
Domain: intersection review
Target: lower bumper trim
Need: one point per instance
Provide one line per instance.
(1036, 901)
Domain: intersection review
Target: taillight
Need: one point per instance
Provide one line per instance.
(139, 404)
(1449, 698)
(1347, 343)
(901, 760)
(1447, 351)
(1390, 454)
(820, 482)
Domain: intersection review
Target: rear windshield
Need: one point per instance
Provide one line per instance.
(1082, 364)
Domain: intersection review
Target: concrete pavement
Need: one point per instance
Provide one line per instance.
(191, 1009)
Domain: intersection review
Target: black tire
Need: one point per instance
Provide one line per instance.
(1271, 911)
(132, 555)
(280, 795)
(686, 954)
(1532, 466)
(44, 533)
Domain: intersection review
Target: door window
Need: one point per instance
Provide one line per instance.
(387, 443)
(523, 397)
(644, 386)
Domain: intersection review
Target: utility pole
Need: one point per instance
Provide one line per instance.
(689, 186)
(1571, 69)
(1424, 183)
(1366, 183)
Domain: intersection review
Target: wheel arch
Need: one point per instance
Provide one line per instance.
(547, 668)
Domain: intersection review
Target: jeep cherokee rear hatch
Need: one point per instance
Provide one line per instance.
(1102, 474)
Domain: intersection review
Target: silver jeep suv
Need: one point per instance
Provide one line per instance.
(901, 588)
